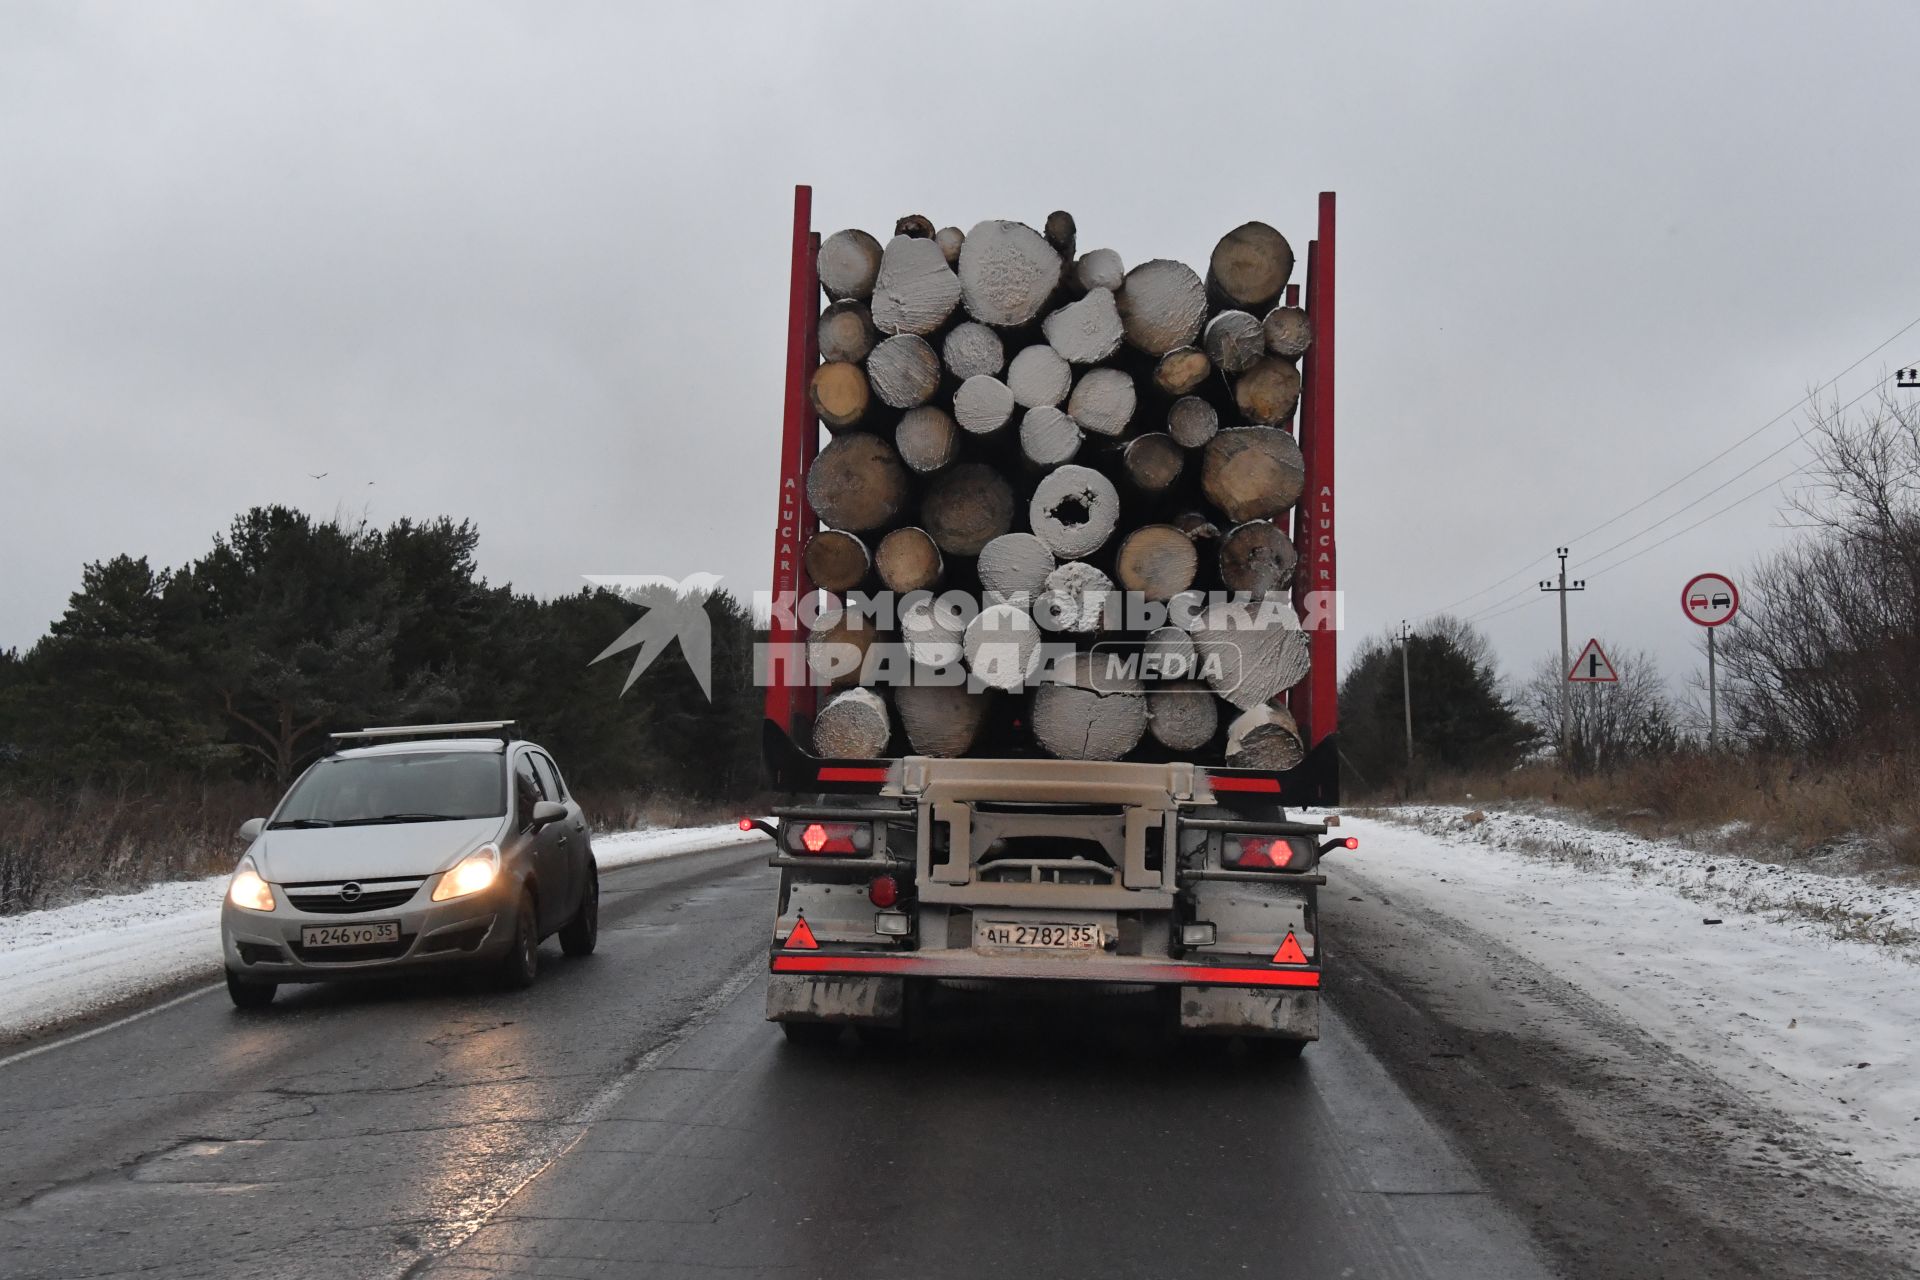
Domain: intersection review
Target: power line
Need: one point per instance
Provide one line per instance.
(1745, 471)
(1499, 582)
(1771, 484)
(1777, 418)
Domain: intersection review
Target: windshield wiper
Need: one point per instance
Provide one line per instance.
(399, 817)
(299, 824)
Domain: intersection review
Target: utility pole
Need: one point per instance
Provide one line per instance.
(1566, 662)
(1406, 689)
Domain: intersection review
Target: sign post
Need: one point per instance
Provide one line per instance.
(1710, 600)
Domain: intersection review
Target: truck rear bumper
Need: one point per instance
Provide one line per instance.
(1103, 968)
(879, 1000)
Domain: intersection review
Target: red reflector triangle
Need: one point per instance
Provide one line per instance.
(1289, 952)
(802, 938)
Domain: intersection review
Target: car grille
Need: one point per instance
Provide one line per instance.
(347, 955)
(373, 895)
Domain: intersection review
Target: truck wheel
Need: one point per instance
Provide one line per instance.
(249, 995)
(580, 935)
(521, 963)
(1265, 1049)
(812, 1035)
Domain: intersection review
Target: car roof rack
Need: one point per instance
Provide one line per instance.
(501, 729)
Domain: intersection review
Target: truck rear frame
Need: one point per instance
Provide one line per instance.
(944, 866)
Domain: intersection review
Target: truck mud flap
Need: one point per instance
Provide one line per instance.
(864, 1000)
(1238, 1011)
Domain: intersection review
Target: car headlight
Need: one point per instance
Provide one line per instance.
(476, 871)
(248, 890)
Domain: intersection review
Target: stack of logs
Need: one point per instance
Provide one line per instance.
(1038, 428)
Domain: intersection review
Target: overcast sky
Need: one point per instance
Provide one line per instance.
(526, 263)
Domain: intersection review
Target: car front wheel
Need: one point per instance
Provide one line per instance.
(520, 964)
(249, 995)
(580, 935)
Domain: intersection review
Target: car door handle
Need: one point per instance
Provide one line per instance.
(563, 837)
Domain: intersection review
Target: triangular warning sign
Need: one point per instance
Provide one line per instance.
(1290, 952)
(801, 939)
(1593, 667)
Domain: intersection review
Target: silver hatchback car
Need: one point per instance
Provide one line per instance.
(422, 848)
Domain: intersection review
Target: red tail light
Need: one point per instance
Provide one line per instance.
(746, 824)
(829, 837)
(1268, 853)
(883, 892)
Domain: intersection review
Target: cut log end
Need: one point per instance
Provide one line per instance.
(1288, 332)
(941, 720)
(1180, 372)
(846, 331)
(1265, 737)
(1258, 558)
(1014, 567)
(1234, 340)
(1038, 376)
(1062, 233)
(1076, 599)
(927, 439)
(967, 507)
(837, 561)
(1103, 401)
(950, 239)
(1074, 511)
(1048, 437)
(1250, 267)
(1267, 392)
(849, 263)
(1100, 269)
(914, 225)
(1252, 473)
(1251, 653)
(858, 483)
(972, 349)
(904, 371)
(908, 560)
(1007, 272)
(1087, 331)
(915, 290)
(839, 393)
(1192, 422)
(1002, 647)
(1161, 306)
(983, 405)
(1083, 716)
(854, 726)
(1153, 462)
(1183, 716)
(1156, 561)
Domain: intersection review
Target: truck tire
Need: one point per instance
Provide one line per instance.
(1265, 1049)
(812, 1035)
(580, 935)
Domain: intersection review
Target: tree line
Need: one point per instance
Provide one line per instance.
(238, 664)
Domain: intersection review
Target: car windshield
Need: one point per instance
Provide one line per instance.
(421, 786)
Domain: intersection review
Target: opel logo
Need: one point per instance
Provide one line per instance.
(350, 891)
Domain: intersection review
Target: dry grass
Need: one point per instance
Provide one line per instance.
(94, 841)
(1762, 806)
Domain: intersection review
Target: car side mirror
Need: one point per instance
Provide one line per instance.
(250, 830)
(547, 811)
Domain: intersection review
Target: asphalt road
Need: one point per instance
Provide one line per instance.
(633, 1115)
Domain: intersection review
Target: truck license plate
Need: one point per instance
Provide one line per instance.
(1041, 935)
(350, 935)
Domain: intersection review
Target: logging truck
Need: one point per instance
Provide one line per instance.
(921, 846)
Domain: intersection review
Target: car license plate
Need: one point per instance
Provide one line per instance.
(350, 935)
(1040, 935)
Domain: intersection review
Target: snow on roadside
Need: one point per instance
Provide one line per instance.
(1783, 999)
(65, 962)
